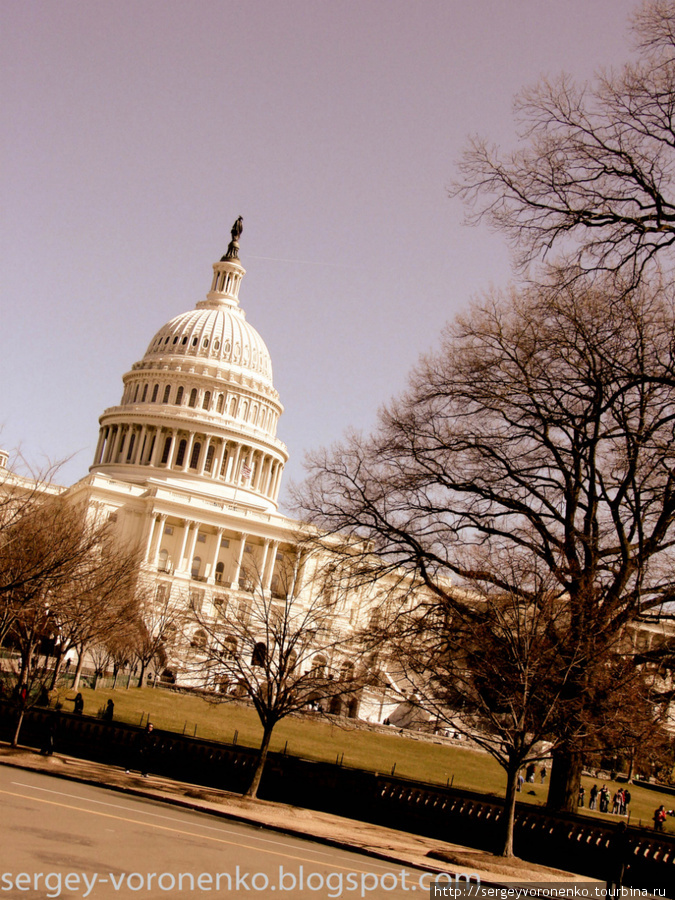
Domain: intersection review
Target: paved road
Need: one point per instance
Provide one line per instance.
(67, 840)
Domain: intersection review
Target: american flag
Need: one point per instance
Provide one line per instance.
(246, 471)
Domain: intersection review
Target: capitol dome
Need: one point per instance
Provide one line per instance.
(200, 407)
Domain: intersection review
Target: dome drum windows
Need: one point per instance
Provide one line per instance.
(167, 391)
(166, 452)
(132, 440)
(194, 457)
(192, 402)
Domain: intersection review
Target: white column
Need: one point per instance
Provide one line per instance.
(151, 535)
(263, 562)
(214, 558)
(205, 450)
(99, 446)
(188, 452)
(158, 543)
(260, 462)
(275, 481)
(181, 555)
(137, 458)
(233, 465)
(118, 443)
(156, 448)
(218, 459)
(237, 567)
(191, 546)
(268, 476)
(270, 569)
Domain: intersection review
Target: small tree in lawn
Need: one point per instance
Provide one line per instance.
(99, 600)
(158, 624)
(278, 646)
(58, 556)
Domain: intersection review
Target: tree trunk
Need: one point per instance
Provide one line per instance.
(57, 669)
(17, 731)
(252, 791)
(509, 810)
(563, 789)
(78, 670)
(631, 763)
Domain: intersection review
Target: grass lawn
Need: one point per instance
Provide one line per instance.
(314, 738)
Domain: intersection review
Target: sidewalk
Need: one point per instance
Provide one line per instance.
(397, 847)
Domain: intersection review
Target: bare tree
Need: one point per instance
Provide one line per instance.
(59, 555)
(543, 428)
(157, 627)
(282, 648)
(490, 664)
(99, 598)
(593, 178)
(40, 540)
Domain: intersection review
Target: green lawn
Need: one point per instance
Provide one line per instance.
(315, 738)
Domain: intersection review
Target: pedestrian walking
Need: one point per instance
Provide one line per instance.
(145, 746)
(593, 797)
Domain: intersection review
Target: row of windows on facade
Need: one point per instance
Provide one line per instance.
(247, 581)
(227, 648)
(194, 345)
(238, 407)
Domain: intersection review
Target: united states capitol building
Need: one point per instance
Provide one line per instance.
(188, 468)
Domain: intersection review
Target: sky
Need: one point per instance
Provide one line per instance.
(134, 134)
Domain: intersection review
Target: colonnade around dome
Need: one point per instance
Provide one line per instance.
(183, 452)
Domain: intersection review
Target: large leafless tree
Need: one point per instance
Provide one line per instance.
(490, 664)
(281, 648)
(593, 178)
(542, 428)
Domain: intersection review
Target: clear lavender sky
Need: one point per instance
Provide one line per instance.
(134, 133)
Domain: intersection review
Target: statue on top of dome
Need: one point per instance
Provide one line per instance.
(233, 247)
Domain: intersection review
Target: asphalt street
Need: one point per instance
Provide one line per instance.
(72, 840)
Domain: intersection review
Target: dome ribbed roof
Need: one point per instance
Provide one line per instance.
(218, 334)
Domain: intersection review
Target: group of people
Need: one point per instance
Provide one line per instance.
(600, 799)
(530, 775)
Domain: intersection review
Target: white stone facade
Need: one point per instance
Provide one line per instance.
(188, 467)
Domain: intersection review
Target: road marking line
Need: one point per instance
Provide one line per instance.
(222, 830)
(207, 837)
